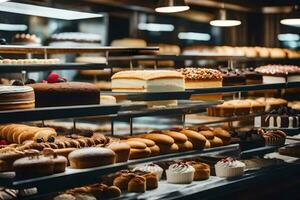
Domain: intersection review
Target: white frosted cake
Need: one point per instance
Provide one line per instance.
(148, 81)
(279, 73)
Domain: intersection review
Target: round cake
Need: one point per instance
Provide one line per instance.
(65, 94)
(16, 97)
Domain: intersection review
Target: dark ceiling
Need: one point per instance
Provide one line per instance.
(262, 3)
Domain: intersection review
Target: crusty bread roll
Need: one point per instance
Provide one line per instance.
(177, 136)
(91, 157)
(160, 138)
(148, 142)
(207, 134)
(202, 170)
(216, 142)
(139, 153)
(121, 150)
(196, 138)
(64, 151)
(223, 134)
(187, 146)
(135, 144)
(123, 180)
(165, 149)
(155, 150)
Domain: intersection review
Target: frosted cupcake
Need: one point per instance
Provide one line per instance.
(180, 173)
(151, 168)
(229, 167)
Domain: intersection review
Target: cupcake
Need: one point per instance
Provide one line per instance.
(273, 137)
(180, 173)
(229, 167)
(154, 168)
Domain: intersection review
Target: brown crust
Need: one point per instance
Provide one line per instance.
(160, 138)
(198, 74)
(177, 136)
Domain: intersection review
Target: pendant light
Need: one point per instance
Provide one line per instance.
(293, 19)
(223, 20)
(171, 6)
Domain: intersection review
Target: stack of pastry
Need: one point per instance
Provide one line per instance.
(29, 61)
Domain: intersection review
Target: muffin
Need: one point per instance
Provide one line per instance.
(229, 167)
(180, 173)
(273, 137)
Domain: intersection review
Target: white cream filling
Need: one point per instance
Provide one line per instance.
(278, 121)
(156, 85)
(274, 79)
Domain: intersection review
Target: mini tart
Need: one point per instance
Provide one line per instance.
(229, 167)
(180, 173)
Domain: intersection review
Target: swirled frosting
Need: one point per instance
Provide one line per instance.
(181, 168)
(230, 163)
(149, 168)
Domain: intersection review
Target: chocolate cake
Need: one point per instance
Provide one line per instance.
(65, 94)
(232, 77)
(282, 117)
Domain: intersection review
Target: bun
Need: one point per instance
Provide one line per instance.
(187, 146)
(165, 149)
(177, 136)
(155, 150)
(121, 150)
(202, 170)
(195, 138)
(207, 144)
(207, 134)
(223, 134)
(147, 142)
(91, 157)
(160, 138)
(136, 144)
(123, 180)
(139, 153)
(216, 142)
(64, 152)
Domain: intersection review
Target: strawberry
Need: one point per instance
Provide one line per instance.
(53, 78)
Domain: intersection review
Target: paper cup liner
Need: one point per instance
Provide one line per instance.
(229, 172)
(182, 178)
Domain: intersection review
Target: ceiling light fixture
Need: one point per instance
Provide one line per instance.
(293, 19)
(288, 37)
(154, 27)
(42, 11)
(171, 6)
(13, 27)
(194, 36)
(223, 20)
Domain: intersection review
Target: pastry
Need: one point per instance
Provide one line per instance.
(195, 138)
(229, 167)
(151, 179)
(65, 94)
(197, 78)
(139, 153)
(177, 136)
(181, 173)
(123, 180)
(216, 142)
(147, 142)
(154, 168)
(272, 103)
(187, 146)
(165, 149)
(222, 134)
(16, 97)
(121, 150)
(107, 100)
(283, 117)
(137, 184)
(59, 162)
(159, 138)
(129, 42)
(292, 150)
(26, 39)
(155, 150)
(91, 157)
(8, 156)
(64, 151)
(202, 170)
(273, 137)
(75, 37)
(207, 134)
(279, 73)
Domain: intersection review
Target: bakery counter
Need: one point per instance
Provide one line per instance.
(216, 188)
(78, 177)
(13, 116)
(11, 68)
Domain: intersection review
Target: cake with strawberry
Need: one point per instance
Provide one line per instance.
(56, 91)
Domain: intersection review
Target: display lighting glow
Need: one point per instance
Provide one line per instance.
(288, 37)
(171, 6)
(194, 36)
(225, 23)
(2, 1)
(13, 27)
(42, 11)
(156, 27)
(291, 22)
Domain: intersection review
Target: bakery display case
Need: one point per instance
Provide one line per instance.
(189, 116)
